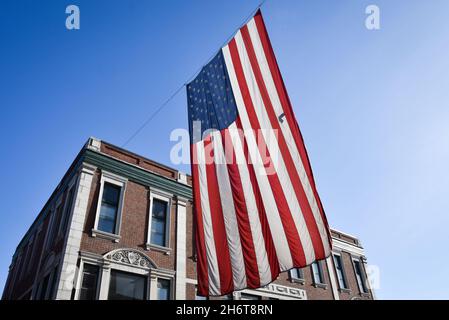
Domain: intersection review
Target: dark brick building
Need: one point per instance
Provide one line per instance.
(120, 226)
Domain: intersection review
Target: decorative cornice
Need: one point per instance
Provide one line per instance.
(137, 174)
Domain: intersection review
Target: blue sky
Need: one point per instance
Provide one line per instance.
(372, 106)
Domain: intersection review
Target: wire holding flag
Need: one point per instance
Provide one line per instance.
(257, 209)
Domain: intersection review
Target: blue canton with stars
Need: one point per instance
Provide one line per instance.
(211, 102)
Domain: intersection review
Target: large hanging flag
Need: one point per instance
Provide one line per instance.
(257, 210)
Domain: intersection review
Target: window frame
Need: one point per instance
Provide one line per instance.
(58, 211)
(364, 288)
(67, 211)
(170, 287)
(300, 279)
(38, 234)
(162, 196)
(107, 177)
(98, 281)
(54, 282)
(28, 255)
(134, 274)
(107, 266)
(80, 276)
(322, 283)
(42, 292)
(343, 272)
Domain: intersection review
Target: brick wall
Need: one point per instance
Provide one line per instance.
(134, 224)
(134, 233)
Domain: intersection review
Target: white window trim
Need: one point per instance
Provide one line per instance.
(30, 252)
(25, 261)
(51, 276)
(172, 286)
(347, 289)
(53, 212)
(318, 284)
(357, 259)
(300, 280)
(166, 197)
(105, 268)
(67, 212)
(118, 181)
(39, 288)
(80, 275)
(36, 236)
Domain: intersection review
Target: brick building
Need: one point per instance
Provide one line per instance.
(120, 226)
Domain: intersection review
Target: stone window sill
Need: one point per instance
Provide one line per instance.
(320, 285)
(105, 235)
(154, 247)
(365, 295)
(300, 281)
(345, 290)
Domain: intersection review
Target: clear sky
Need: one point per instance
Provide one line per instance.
(372, 106)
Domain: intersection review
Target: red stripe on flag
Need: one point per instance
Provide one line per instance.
(201, 263)
(218, 224)
(291, 233)
(288, 110)
(286, 155)
(266, 231)
(241, 211)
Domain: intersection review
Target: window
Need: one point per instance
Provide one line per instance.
(33, 253)
(107, 221)
(127, 286)
(44, 286)
(89, 282)
(317, 273)
(17, 265)
(163, 289)
(67, 211)
(59, 213)
(340, 272)
(159, 222)
(26, 260)
(109, 207)
(359, 275)
(56, 214)
(296, 274)
(54, 283)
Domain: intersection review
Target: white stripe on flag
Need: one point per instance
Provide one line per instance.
(263, 264)
(212, 262)
(273, 217)
(286, 130)
(229, 215)
(276, 155)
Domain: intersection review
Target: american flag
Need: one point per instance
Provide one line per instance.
(257, 210)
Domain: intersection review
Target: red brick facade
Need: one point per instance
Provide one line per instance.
(27, 282)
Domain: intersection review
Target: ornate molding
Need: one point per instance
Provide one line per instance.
(130, 257)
